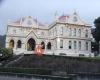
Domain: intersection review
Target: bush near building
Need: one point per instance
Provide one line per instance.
(5, 53)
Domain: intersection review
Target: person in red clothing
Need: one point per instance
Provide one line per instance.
(39, 51)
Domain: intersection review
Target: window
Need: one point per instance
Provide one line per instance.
(70, 44)
(79, 45)
(74, 44)
(19, 44)
(70, 32)
(61, 30)
(81, 55)
(29, 22)
(86, 34)
(67, 27)
(75, 19)
(62, 54)
(49, 45)
(74, 31)
(61, 43)
(86, 45)
(79, 32)
(43, 45)
(11, 44)
(49, 33)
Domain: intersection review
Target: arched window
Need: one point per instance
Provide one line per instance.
(86, 45)
(74, 31)
(79, 32)
(31, 44)
(75, 45)
(43, 45)
(19, 44)
(61, 43)
(79, 45)
(29, 22)
(70, 32)
(75, 19)
(49, 45)
(86, 34)
(61, 30)
(70, 45)
(11, 44)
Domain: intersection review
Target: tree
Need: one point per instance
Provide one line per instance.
(2, 40)
(6, 53)
(96, 33)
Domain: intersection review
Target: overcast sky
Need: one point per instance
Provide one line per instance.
(44, 10)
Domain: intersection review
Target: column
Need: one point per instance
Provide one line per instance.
(58, 43)
(15, 45)
(45, 51)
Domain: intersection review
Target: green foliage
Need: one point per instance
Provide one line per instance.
(89, 59)
(47, 64)
(94, 47)
(6, 53)
(26, 70)
(58, 63)
(2, 40)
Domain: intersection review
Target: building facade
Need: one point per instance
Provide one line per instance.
(68, 35)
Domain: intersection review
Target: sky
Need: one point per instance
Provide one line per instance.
(44, 10)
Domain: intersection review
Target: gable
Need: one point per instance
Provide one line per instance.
(29, 22)
(72, 19)
(31, 34)
(75, 19)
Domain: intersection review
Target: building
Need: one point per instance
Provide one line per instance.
(68, 35)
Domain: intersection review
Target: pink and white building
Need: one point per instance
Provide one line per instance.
(68, 35)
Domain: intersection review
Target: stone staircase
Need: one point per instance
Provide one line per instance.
(14, 60)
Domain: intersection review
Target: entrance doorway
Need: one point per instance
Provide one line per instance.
(31, 44)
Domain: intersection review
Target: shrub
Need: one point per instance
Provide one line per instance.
(6, 53)
(26, 70)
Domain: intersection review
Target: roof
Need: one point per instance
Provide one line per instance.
(63, 18)
(24, 21)
(71, 19)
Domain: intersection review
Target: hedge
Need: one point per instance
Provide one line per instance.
(6, 52)
(26, 70)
